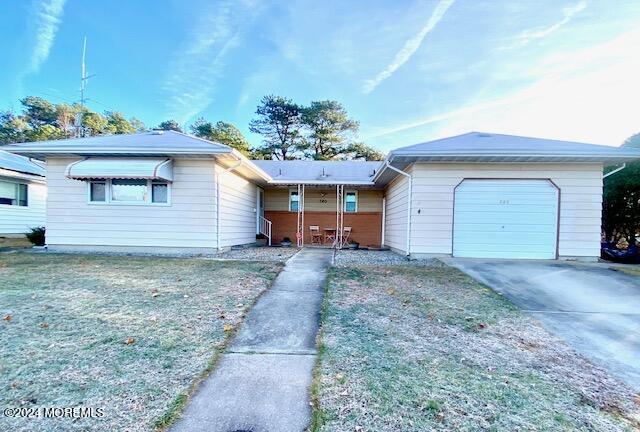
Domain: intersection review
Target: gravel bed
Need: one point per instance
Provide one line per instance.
(253, 253)
(346, 258)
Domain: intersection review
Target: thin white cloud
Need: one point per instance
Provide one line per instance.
(585, 95)
(530, 35)
(410, 47)
(46, 21)
(197, 67)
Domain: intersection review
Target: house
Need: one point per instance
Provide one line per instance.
(472, 195)
(22, 195)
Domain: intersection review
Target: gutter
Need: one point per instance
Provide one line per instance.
(231, 168)
(624, 165)
(249, 164)
(321, 182)
(409, 195)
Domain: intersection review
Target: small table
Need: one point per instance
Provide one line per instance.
(329, 235)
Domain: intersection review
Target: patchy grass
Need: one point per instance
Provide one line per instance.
(428, 348)
(14, 242)
(129, 335)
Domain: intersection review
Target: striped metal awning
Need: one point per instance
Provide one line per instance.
(121, 168)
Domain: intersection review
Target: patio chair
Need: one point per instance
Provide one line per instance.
(316, 235)
(346, 233)
(329, 235)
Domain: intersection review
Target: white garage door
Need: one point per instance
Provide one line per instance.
(505, 219)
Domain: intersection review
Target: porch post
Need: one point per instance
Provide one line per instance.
(339, 215)
(302, 219)
(298, 218)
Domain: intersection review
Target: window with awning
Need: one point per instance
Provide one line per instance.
(95, 168)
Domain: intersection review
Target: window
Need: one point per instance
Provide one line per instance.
(159, 192)
(294, 201)
(15, 194)
(351, 201)
(129, 191)
(97, 192)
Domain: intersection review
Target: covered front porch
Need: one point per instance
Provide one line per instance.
(324, 215)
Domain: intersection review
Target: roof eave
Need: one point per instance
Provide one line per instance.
(111, 151)
(21, 175)
(322, 182)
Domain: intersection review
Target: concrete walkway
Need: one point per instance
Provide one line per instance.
(263, 379)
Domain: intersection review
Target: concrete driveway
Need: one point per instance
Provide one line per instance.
(593, 307)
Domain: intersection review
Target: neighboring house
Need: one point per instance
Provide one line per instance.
(22, 194)
(473, 195)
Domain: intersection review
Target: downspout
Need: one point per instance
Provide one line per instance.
(388, 165)
(231, 168)
(384, 219)
(624, 165)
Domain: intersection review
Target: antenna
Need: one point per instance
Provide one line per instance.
(83, 86)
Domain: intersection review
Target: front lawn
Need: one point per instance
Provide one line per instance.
(14, 242)
(428, 348)
(128, 335)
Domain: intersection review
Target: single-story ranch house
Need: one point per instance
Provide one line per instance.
(22, 195)
(472, 195)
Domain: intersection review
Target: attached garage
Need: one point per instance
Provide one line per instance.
(506, 218)
(497, 196)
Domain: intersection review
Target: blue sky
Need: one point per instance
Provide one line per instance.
(409, 71)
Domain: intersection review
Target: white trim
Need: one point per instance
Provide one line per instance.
(13, 175)
(148, 202)
(347, 192)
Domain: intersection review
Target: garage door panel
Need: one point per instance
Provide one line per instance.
(505, 199)
(520, 254)
(505, 219)
(511, 241)
(478, 227)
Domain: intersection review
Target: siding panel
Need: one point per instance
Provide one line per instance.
(189, 222)
(396, 213)
(580, 202)
(237, 209)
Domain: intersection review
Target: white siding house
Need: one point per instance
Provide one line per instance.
(474, 195)
(187, 221)
(22, 195)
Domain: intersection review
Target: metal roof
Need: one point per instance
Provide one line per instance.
(21, 164)
(114, 168)
(488, 145)
(319, 172)
(470, 147)
(154, 143)
(474, 147)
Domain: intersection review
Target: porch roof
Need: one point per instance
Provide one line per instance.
(320, 172)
